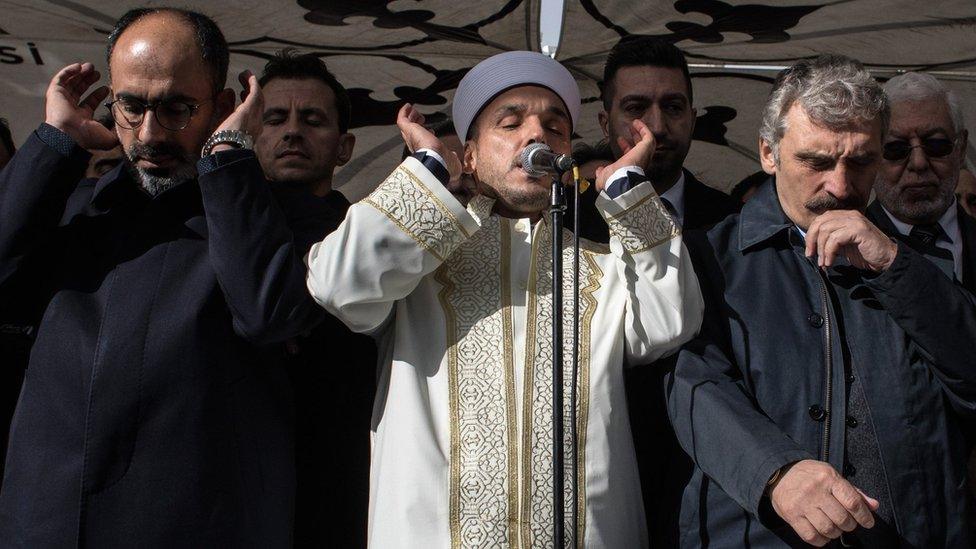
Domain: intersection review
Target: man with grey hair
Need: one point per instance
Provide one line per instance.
(923, 155)
(835, 407)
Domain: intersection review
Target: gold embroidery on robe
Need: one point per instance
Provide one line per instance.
(416, 211)
(644, 225)
(483, 498)
(537, 399)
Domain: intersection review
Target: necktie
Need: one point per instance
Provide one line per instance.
(927, 234)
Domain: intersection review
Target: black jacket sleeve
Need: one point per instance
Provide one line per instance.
(939, 317)
(34, 190)
(258, 265)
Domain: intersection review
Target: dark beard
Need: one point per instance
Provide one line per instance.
(157, 181)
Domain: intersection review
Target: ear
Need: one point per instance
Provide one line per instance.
(766, 157)
(346, 143)
(224, 103)
(469, 163)
(604, 119)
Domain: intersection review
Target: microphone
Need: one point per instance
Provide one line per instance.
(539, 160)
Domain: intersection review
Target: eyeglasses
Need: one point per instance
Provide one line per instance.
(172, 114)
(933, 147)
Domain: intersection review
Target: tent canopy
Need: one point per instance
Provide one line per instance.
(388, 52)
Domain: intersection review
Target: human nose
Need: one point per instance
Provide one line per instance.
(840, 182)
(654, 119)
(151, 131)
(917, 160)
(535, 132)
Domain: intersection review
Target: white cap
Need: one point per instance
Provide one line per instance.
(507, 70)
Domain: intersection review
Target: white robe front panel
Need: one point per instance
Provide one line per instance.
(460, 300)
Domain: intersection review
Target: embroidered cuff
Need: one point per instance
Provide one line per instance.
(423, 209)
(638, 218)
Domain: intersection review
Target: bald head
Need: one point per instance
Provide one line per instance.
(155, 31)
(167, 69)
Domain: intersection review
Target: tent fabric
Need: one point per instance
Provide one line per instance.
(387, 52)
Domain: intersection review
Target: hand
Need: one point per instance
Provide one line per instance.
(636, 154)
(248, 116)
(416, 136)
(68, 112)
(849, 233)
(818, 503)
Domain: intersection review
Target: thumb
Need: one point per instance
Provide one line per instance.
(872, 503)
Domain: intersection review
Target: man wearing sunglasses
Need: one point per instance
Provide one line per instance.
(922, 157)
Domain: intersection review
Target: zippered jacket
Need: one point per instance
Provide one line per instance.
(765, 383)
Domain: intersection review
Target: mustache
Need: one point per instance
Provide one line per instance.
(826, 202)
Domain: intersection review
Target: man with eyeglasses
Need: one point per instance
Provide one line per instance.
(923, 155)
(154, 411)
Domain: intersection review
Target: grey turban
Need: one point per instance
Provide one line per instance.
(507, 70)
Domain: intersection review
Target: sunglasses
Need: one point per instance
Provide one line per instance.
(933, 147)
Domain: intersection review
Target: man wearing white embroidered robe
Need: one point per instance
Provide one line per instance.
(460, 299)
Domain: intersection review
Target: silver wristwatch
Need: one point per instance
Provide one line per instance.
(237, 138)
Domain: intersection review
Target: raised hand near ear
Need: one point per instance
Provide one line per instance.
(416, 136)
(636, 152)
(69, 110)
(248, 116)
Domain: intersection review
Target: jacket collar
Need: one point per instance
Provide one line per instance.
(114, 178)
(762, 218)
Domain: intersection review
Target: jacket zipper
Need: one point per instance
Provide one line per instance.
(828, 369)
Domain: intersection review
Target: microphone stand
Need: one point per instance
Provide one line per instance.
(556, 208)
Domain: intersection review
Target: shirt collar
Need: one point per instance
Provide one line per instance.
(949, 222)
(676, 197)
(762, 217)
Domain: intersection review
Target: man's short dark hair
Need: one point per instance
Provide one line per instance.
(213, 46)
(642, 51)
(5, 138)
(288, 64)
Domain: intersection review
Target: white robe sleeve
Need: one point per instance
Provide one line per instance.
(664, 302)
(388, 242)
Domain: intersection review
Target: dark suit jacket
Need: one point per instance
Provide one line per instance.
(664, 468)
(704, 207)
(150, 414)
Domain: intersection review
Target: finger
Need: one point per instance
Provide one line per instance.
(95, 98)
(811, 238)
(872, 503)
(244, 79)
(403, 115)
(64, 74)
(856, 503)
(823, 524)
(83, 79)
(641, 133)
(624, 145)
(808, 533)
(833, 245)
(254, 96)
(839, 515)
